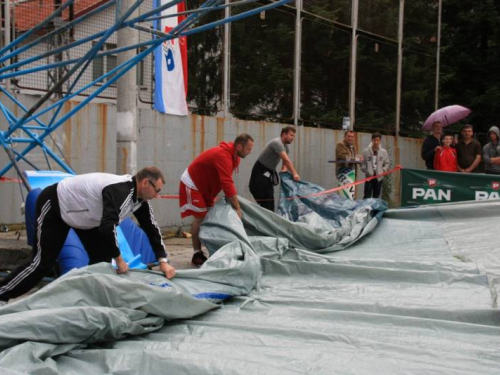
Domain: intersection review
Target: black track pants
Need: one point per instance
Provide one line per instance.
(50, 234)
(261, 186)
(373, 189)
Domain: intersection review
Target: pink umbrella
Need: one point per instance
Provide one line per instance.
(447, 116)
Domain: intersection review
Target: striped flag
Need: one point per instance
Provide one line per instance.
(171, 66)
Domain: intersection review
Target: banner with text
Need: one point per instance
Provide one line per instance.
(420, 186)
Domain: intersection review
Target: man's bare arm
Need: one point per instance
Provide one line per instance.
(288, 165)
(236, 205)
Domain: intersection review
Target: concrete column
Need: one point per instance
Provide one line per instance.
(126, 102)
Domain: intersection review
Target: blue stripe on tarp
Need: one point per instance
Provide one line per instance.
(220, 296)
(163, 285)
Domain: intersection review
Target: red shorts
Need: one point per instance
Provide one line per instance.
(191, 202)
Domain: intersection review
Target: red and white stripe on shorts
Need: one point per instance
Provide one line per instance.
(191, 202)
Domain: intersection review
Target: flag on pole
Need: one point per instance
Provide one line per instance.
(171, 65)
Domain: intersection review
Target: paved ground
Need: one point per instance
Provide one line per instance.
(14, 250)
(180, 252)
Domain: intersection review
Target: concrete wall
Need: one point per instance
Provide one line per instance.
(88, 141)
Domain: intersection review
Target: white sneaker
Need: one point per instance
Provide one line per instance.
(3, 303)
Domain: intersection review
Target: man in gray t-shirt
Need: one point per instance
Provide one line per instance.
(270, 156)
(264, 175)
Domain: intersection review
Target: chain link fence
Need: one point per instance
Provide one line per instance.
(262, 60)
(262, 66)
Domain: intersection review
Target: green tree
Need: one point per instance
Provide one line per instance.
(205, 66)
(419, 65)
(262, 65)
(325, 73)
(470, 70)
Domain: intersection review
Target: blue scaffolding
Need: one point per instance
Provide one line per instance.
(35, 131)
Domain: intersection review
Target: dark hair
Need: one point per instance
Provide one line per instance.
(467, 126)
(288, 129)
(448, 135)
(348, 131)
(376, 135)
(243, 139)
(151, 173)
(436, 122)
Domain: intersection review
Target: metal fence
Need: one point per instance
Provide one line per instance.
(293, 64)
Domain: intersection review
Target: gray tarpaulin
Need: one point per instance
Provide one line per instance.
(304, 202)
(417, 295)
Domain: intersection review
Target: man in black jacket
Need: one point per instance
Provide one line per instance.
(93, 205)
(432, 144)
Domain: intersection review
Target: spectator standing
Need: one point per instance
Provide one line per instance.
(432, 144)
(468, 151)
(345, 155)
(446, 157)
(491, 152)
(375, 161)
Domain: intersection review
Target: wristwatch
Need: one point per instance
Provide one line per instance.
(162, 260)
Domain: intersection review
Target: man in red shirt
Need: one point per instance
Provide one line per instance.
(445, 158)
(211, 172)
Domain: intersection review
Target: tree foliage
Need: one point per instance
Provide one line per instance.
(262, 63)
(470, 70)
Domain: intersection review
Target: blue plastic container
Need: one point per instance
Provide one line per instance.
(42, 179)
(30, 214)
(73, 254)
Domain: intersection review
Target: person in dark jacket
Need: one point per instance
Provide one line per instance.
(93, 205)
(432, 144)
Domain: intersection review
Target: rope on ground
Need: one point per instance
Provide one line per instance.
(169, 196)
(325, 192)
(347, 186)
(8, 179)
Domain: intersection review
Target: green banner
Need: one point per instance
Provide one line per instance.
(420, 186)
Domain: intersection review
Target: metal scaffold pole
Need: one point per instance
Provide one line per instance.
(297, 70)
(354, 47)
(30, 125)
